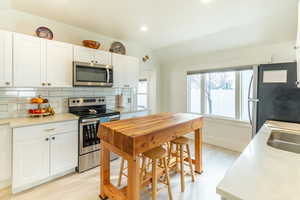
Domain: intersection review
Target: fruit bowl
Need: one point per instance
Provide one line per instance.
(91, 44)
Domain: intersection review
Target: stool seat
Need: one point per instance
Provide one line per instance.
(156, 153)
(181, 140)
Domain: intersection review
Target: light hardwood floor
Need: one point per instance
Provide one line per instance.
(85, 186)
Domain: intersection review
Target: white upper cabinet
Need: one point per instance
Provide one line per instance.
(59, 59)
(88, 55)
(82, 54)
(29, 61)
(5, 59)
(41, 63)
(126, 71)
(102, 57)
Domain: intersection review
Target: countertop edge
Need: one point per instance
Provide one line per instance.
(26, 121)
(122, 111)
(258, 144)
(226, 195)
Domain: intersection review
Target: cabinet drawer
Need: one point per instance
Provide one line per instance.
(44, 130)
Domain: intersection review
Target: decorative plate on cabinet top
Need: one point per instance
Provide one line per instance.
(44, 32)
(117, 47)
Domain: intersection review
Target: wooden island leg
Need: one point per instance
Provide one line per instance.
(198, 151)
(104, 170)
(133, 189)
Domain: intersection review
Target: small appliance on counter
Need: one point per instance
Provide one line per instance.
(41, 107)
(92, 112)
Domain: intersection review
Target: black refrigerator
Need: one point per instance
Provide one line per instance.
(275, 94)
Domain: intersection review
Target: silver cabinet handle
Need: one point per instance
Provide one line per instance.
(50, 129)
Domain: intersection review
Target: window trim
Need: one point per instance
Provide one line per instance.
(238, 92)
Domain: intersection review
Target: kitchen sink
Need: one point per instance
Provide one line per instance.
(285, 141)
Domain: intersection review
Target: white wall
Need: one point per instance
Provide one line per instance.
(21, 22)
(229, 134)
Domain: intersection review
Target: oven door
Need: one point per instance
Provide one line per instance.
(85, 74)
(88, 140)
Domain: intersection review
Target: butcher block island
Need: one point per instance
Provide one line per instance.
(131, 137)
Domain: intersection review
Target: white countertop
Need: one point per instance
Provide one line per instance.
(263, 172)
(29, 121)
(130, 110)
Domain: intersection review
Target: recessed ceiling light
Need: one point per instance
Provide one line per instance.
(206, 1)
(144, 28)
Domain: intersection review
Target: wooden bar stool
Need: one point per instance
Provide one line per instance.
(157, 154)
(180, 158)
(123, 169)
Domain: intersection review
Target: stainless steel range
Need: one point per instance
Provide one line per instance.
(91, 112)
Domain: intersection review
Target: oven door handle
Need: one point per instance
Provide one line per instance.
(88, 123)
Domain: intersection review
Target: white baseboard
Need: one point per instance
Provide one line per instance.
(5, 184)
(227, 144)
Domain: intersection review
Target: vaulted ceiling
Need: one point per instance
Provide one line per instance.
(175, 27)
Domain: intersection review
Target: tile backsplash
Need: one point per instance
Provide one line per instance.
(14, 102)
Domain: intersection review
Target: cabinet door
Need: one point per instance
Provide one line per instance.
(126, 71)
(102, 57)
(82, 54)
(132, 72)
(5, 152)
(5, 59)
(59, 60)
(118, 63)
(64, 152)
(29, 61)
(30, 158)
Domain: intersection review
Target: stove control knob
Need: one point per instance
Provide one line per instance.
(78, 101)
(74, 101)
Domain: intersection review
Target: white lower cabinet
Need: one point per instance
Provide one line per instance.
(30, 160)
(63, 154)
(43, 152)
(5, 156)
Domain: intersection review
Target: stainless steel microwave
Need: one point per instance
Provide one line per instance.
(90, 74)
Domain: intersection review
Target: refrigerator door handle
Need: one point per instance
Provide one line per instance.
(249, 91)
(251, 100)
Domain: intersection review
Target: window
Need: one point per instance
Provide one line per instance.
(220, 93)
(142, 94)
